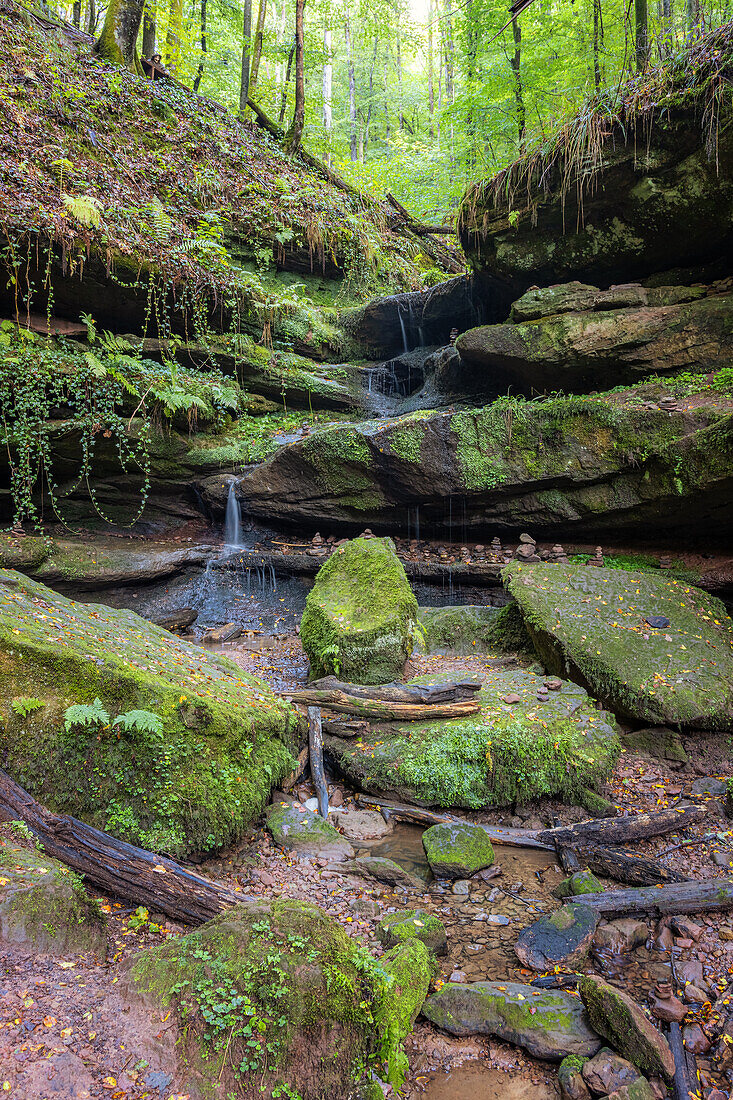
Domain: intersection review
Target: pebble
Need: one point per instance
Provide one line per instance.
(725, 932)
(497, 918)
(461, 886)
(458, 976)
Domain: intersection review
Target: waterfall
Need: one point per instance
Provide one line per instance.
(233, 519)
(405, 345)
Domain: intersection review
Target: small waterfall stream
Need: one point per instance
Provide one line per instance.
(233, 518)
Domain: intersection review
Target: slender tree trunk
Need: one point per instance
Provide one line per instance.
(450, 57)
(119, 34)
(284, 96)
(641, 34)
(353, 150)
(174, 35)
(246, 47)
(295, 133)
(516, 64)
(597, 42)
(327, 90)
(200, 70)
(91, 20)
(431, 88)
(257, 52)
(370, 108)
(667, 27)
(692, 17)
(400, 96)
(149, 29)
(76, 13)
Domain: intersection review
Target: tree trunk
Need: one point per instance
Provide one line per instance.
(295, 133)
(174, 35)
(431, 87)
(76, 13)
(400, 93)
(693, 17)
(327, 91)
(200, 70)
(597, 42)
(149, 29)
(112, 865)
(450, 54)
(667, 27)
(284, 96)
(516, 64)
(119, 34)
(621, 830)
(91, 20)
(353, 150)
(699, 896)
(315, 753)
(257, 51)
(452, 691)
(641, 34)
(246, 47)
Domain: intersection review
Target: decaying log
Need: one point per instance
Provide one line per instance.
(315, 749)
(112, 865)
(450, 692)
(498, 834)
(697, 896)
(620, 830)
(347, 727)
(626, 867)
(568, 859)
(290, 780)
(380, 711)
(684, 1088)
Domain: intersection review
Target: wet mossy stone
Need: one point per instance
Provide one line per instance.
(592, 624)
(621, 1021)
(413, 967)
(413, 924)
(564, 937)
(582, 882)
(276, 993)
(293, 826)
(657, 741)
(383, 870)
(226, 739)
(504, 753)
(360, 616)
(457, 851)
(548, 1024)
(462, 629)
(570, 1078)
(44, 905)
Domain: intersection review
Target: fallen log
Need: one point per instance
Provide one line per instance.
(620, 830)
(113, 866)
(625, 867)
(498, 834)
(315, 751)
(568, 859)
(684, 1089)
(696, 896)
(381, 711)
(449, 692)
(349, 727)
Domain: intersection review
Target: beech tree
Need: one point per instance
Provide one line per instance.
(117, 42)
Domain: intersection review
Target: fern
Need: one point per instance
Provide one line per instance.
(175, 399)
(140, 721)
(162, 223)
(85, 208)
(25, 706)
(86, 714)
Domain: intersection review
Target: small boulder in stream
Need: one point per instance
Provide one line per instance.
(598, 624)
(360, 616)
(582, 882)
(547, 1024)
(570, 1078)
(291, 825)
(621, 1021)
(361, 824)
(605, 1072)
(457, 851)
(564, 937)
(383, 870)
(413, 924)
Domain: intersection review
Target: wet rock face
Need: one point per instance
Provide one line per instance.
(413, 924)
(606, 1072)
(619, 1019)
(564, 938)
(293, 826)
(668, 207)
(457, 851)
(558, 1026)
(679, 671)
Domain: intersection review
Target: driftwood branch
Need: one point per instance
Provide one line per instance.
(381, 711)
(347, 727)
(113, 866)
(620, 830)
(451, 692)
(315, 748)
(697, 896)
(625, 867)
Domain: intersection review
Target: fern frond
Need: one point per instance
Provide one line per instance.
(86, 714)
(85, 208)
(142, 721)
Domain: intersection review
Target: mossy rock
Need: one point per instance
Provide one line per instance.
(457, 851)
(226, 738)
(413, 924)
(582, 882)
(547, 1023)
(24, 554)
(462, 629)
(563, 937)
(623, 1023)
(360, 616)
(505, 753)
(657, 741)
(43, 905)
(275, 994)
(293, 826)
(413, 968)
(593, 624)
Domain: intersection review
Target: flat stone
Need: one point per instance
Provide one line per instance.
(293, 826)
(692, 995)
(457, 851)
(695, 1039)
(623, 1023)
(640, 1089)
(709, 785)
(564, 937)
(462, 887)
(383, 870)
(621, 935)
(606, 1072)
(690, 971)
(361, 824)
(558, 1026)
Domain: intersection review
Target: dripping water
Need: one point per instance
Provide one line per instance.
(233, 519)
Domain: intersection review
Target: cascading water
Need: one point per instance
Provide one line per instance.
(233, 519)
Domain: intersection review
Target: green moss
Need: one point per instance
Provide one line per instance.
(24, 553)
(615, 1016)
(457, 851)
(412, 924)
(360, 616)
(407, 442)
(226, 739)
(412, 968)
(270, 994)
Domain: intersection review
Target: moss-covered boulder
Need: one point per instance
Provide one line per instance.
(293, 826)
(276, 994)
(547, 1023)
(516, 748)
(460, 629)
(652, 648)
(43, 905)
(622, 1021)
(457, 851)
(582, 882)
(413, 924)
(570, 1078)
(187, 779)
(359, 619)
(413, 968)
(563, 937)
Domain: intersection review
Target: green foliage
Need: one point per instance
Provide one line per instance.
(140, 721)
(26, 705)
(86, 714)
